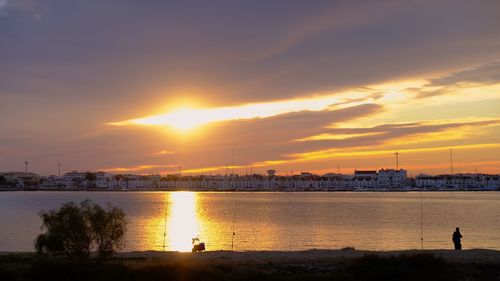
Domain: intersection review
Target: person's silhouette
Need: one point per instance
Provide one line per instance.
(457, 236)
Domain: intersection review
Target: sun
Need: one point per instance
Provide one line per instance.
(183, 119)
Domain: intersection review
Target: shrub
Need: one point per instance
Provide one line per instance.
(78, 230)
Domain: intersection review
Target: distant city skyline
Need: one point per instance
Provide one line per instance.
(146, 87)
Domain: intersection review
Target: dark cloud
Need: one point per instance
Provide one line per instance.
(485, 74)
(387, 132)
(410, 128)
(421, 94)
(237, 51)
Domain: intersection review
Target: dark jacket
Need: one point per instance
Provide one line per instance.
(456, 237)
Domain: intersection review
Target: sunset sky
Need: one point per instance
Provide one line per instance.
(148, 86)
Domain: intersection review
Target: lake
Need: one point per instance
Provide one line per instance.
(274, 221)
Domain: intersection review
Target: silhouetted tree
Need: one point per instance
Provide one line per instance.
(90, 178)
(108, 227)
(68, 231)
(78, 230)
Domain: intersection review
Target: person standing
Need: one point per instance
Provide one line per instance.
(457, 239)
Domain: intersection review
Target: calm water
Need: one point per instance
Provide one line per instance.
(273, 221)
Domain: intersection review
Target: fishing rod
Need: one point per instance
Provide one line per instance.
(421, 221)
(165, 224)
(234, 224)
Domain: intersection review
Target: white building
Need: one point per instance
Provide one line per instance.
(459, 181)
(101, 178)
(390, 178)
(364, 179)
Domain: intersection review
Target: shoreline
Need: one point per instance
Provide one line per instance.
(466, 255)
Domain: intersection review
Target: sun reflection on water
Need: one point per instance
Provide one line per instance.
(182, 221)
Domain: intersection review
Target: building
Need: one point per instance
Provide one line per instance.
(22, 179)
(459, 181)
(82, 175)
(101, 178)
(364, 179)
(390, 178)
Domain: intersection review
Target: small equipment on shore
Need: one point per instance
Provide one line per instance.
(197, 245)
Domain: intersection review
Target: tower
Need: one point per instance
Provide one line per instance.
(397, 160)
(451, 161)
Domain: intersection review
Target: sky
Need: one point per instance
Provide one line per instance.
(213, 86)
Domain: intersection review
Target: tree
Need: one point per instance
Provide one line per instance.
(67, 231)
(3, 180)
(90, 178)
(78, 230)
(108, 227)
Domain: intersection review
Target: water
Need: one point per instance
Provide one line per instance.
(274, 221)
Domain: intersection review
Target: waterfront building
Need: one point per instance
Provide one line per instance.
(384, 179)
(390, 178)
(459, 181)
(75, 175)
(364, 179)
(101, 178)
(22, 179)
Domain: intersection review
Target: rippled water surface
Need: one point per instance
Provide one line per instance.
(274, 221)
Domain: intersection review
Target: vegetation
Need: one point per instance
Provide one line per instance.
(90, 178)
(372, 267)
(78, 230)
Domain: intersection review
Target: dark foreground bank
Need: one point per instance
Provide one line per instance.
(305, 265)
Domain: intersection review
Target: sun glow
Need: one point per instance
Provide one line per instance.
(183, 222)
(185, 118)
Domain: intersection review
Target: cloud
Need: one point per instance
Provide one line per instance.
(394, 137)
(421, 94)
(264, 138)
(482, 75)
(91, 49)
(382, 133)
(485, 74)
(373, 139)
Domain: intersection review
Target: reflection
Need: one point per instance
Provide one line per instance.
(182, 222)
